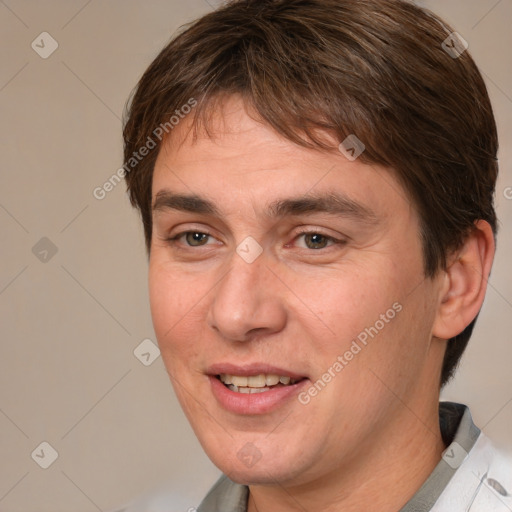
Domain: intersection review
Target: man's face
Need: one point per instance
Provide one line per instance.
(295, 275)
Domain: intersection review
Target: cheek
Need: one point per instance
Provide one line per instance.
(347, 305)
(370, 316)
(177, 305)
(176, 311)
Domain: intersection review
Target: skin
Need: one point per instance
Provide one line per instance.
(371, 437)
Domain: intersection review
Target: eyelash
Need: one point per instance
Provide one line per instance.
(173, 239)
(334, 241)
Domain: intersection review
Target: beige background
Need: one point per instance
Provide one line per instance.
(70, 324)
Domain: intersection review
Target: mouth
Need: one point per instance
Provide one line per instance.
(254, 389)
(260, 383)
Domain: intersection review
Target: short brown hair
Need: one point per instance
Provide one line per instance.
(374, 68)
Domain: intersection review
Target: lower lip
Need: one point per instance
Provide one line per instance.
(254, 403)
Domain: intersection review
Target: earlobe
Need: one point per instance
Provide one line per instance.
(464, 283)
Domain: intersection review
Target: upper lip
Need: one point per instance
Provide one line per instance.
(247, 370)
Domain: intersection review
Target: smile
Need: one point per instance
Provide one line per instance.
(260, 383)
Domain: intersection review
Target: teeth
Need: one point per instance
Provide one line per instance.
(254, 383)
(227, 379)
(248, 391)
(238, 381)
(258, 390)
(272, 380)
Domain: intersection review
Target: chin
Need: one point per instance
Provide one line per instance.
(251, 466)
(266, 474)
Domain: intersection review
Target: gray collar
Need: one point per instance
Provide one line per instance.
(456, 427)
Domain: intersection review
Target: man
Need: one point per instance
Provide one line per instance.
(316, 181)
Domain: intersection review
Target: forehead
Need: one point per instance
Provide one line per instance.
(241, 159)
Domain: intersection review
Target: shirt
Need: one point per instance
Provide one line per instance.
(472, 475)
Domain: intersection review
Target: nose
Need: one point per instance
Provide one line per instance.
(248, 302)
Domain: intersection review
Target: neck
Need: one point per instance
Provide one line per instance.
(383, 475)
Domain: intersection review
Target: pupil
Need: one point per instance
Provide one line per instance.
(196, 238)
(315, 241)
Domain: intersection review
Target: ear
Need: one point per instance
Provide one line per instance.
(464, 282)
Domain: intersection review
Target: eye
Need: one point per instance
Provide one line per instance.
(314, 240)
(192, 238)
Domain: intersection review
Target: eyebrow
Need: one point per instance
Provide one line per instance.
(330, 203)
(167, 200)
